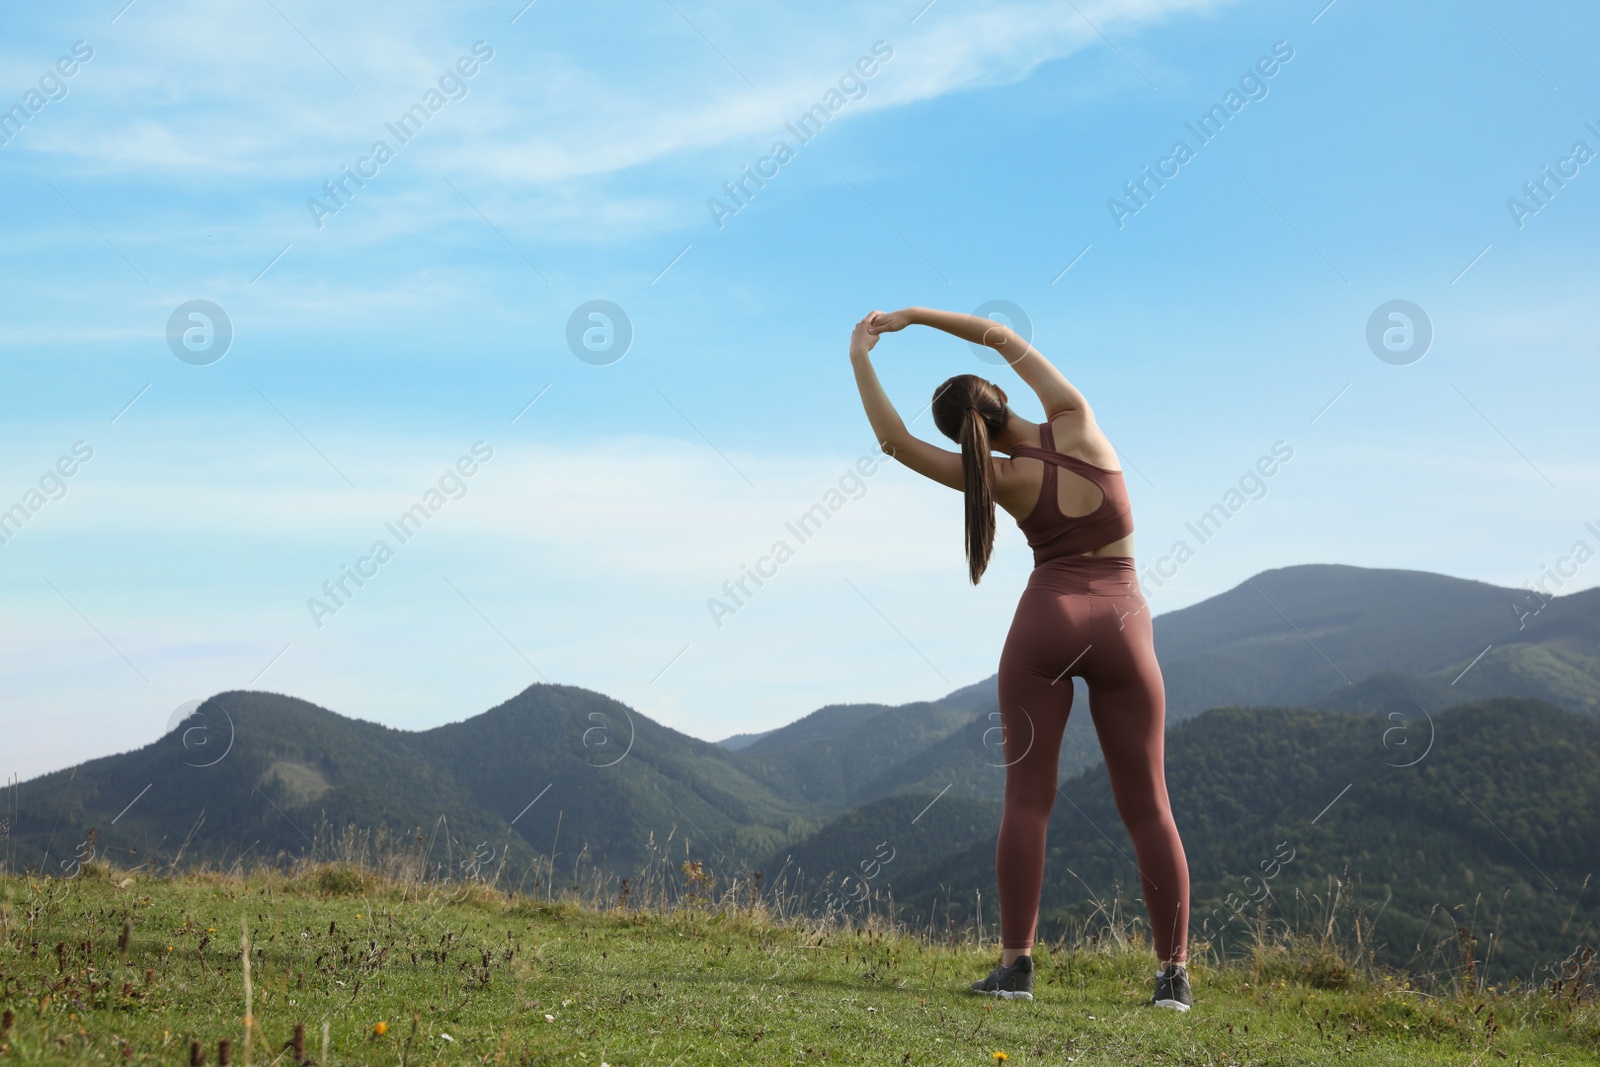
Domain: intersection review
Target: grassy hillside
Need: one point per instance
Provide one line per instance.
(403, 972)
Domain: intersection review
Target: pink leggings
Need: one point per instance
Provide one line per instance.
(1085, 616)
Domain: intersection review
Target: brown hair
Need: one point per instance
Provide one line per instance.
(972, 411)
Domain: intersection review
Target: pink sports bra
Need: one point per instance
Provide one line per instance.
(1050, 533)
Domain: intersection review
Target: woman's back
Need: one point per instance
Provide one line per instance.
(1079, 507)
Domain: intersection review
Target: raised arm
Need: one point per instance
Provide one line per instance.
(1058, 395)
(893, 437)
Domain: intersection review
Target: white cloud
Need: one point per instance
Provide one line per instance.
(190, 89)
(591, 123)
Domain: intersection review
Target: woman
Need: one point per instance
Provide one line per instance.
(1081, 615)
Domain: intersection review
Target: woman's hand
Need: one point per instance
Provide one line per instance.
(862, 338)
(890, 321)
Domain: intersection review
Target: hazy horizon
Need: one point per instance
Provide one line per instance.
(1534, 606)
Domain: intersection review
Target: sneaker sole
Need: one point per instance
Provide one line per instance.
(1177, 1005)
(1005, 994)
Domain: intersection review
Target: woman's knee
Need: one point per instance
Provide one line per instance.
(1145, 812)
(1034, 797)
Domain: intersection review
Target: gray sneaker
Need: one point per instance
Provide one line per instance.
(1172, 990)
(1010, 983)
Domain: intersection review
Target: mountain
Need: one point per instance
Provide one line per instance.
(613, 776)
(1292, 635)
(248, 774)
(977, 697)
(735, 742)
(258, 774)
(832, 757)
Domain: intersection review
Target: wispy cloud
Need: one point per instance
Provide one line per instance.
(186, 89)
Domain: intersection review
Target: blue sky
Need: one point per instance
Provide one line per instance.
(576, 163)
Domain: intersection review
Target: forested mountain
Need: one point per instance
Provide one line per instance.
(834, 757)
(258, 774)
(1490, 811)
(248, 775)
(613, 777)
(1293, 635)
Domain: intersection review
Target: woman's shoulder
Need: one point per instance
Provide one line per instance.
(1079, 436)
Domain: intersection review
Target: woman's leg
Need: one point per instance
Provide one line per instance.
(1035, 700)
(1127, 700)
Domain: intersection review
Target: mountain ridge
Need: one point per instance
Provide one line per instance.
(563, 782)
(1303, 631)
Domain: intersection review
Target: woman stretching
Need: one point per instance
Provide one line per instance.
(1081, 615)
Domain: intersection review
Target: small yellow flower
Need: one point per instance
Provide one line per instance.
(1000, 1057)
(211, 929)
(358, 915)
(379, 1029)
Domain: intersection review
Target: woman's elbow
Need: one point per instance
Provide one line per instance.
(893, 443)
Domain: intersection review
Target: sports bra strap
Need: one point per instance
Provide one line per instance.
(1060, 459)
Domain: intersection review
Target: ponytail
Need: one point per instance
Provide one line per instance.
(977, 470)
(972, 412)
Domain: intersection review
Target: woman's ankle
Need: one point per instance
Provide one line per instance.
(1009, 956)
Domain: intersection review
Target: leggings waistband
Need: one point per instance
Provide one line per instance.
(1093, 575)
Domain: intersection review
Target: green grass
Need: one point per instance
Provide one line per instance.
(518, 980)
